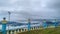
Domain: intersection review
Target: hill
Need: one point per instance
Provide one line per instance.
(43, 31)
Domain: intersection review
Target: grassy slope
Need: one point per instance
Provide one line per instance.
(43, 31)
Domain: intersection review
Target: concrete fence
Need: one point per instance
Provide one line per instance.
(26, 29)
(21, 30)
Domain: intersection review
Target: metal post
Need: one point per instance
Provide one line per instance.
(44, 24)
(28, 24)
(4, 22)
(55, 23)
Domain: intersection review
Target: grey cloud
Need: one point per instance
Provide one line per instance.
(31, 8)
(53, 4)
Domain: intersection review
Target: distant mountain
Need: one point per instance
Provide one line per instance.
(14, 23)
(18, 24)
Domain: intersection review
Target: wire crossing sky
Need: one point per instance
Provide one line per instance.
(36, 9)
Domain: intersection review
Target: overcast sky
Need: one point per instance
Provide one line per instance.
(36, 9)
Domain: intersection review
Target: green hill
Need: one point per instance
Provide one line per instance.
(43, 31)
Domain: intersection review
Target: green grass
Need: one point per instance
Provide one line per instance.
(0, 32)
(43, 31)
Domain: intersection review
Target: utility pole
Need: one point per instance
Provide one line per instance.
(9, 13)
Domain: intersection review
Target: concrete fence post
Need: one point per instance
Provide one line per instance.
(15, 32)
(33, 28)
(7, 32)
(21, 30)
(36, 27)
(24, 29)
(18, 30)
(11, 32)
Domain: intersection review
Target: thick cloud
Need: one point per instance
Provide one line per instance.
(22, 9)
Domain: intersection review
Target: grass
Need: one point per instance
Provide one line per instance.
(43, 31)
(0, 32)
